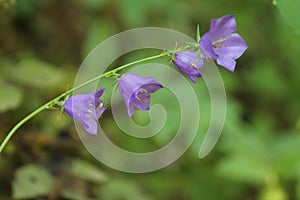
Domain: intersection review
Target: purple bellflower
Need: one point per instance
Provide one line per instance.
(187, 62)
(87, 109)
(135, 91)
(221, 43)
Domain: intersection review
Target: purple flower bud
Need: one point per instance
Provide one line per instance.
(86, 108)
(186, 62)
(221, 43)
(135, 91)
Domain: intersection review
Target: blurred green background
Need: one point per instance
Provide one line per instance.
(43, 44)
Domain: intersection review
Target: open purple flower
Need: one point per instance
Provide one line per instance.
(221, 43)
(135, 91)
(187, 62)
(86, 108)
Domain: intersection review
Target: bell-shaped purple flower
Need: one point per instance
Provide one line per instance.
(188, 63)
(86, 108)
(221, 43)
(135, 91)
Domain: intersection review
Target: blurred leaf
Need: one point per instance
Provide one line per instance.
(10, 96)
(243, 168)
(133, 12)
(297, 126)
(94, 4)
(7, 3)
(87, 171)
(284, 156)
(124, 189)
(137, 13)
(74, 194)
(273, 193)
(36, 73)
(31, 181)
(26, 8)
(75, 190)
(298, 189)
(266, 79)
(99, 31)
(248, 149)
(290, 12)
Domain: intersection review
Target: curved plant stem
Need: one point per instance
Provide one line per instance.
(56, 100)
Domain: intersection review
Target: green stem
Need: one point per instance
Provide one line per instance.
(20, 123)
(58, 98)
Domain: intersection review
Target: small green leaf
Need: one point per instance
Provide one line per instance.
(87, 171)
(36, 73)
(31, 181)
(198, 33)
(10, 96)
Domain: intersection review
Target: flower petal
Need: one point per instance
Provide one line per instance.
(152, 87)
(130, 83)
(221, 43)
(76, 106)
(187, 62)
(99, 93)
(207, 47)
(227, 62)
(222, 27)
(130, 110)
(86, 108)
(233, 47)
(135, 91)
(141, 103)
(99, 110)
(91, 126)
